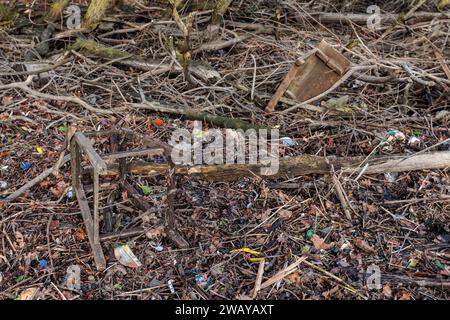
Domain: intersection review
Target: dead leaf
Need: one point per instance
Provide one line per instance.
(60, 189)
(45, 184)
(387, 291)
(154, 233)
(28, 294)
(319, 243)
(405, 295)
(363, 245)
(54, 225)
(294, 278)
(19, 239)
(371, 208)
(80, 235)
(6, 100)
(285, 214)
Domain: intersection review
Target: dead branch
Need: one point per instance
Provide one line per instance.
(24, 87)
(302, 165)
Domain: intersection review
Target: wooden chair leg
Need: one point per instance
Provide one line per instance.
(99, 257)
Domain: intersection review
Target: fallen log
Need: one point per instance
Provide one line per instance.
(301, 165)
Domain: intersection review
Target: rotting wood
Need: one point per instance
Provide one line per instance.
(301, 165)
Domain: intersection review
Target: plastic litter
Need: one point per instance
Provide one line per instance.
(73, 277)
(395, 135)
(20, 278)
(25, 165)
(27, 294)
(126, 257)
(146, 190)
(159, 122)
(246, 252)
(70, 193)
(43, 263)
(412, 263)
(203, 281)
(289, 142)
(171, 288)
(40, 150)
(391, 176)
(414, 142)
(310, 232)
(3, 185)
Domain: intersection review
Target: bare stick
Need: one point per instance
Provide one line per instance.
(34, 181)
(24, 86)
(259, 277)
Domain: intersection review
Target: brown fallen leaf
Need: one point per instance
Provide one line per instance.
(80, 235)
(319, 243)
(405, 295)
(45, 184)
(363, 245)
(285, 214)
(19, 239)
(387, 291)
(7, 100)
(295, 278)
(154, 233)
(28, 294)
(60, 188)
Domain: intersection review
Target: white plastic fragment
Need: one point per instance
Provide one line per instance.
(70, 193)
(73, 277)
(391, 176)
(171, 288)
(3, 185)
(126, 257)
(289, 142)
(413, 141)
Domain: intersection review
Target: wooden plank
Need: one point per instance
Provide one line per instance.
(95, 159)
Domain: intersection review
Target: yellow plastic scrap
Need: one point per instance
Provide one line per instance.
(246, 250)
(256, 259)
(249, 251)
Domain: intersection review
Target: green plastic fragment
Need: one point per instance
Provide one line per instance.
(413, 263)
(310, 233)
(146, 190)
(306, 249)
(20, 278)
(439, 264)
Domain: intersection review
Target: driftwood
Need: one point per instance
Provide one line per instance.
(301, 165)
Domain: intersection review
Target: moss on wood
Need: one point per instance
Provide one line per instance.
(97, 49)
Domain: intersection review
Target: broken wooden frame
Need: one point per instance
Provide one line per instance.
(312, 75)
(81, 144)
